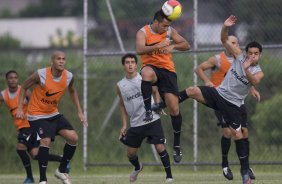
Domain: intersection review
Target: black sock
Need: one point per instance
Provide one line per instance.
(247, 142)
(182, 96)
(67, 156)
(52, 157)
(176, 125)
(135, 162)
(43, 153)
(55, 158)
(166, 163)
(225, 146)
(146, 89)
(26, 162)
(241, 150)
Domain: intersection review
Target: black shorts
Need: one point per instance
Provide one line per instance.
(167, 81)
(27, 137)
(220, 119)
(50, 127)
(152, 131)
(244, 116)
(233, 115)
(222, 123)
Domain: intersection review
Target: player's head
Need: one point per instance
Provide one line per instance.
(12, 79)
(161, 22)
(58, 60)
(129, 62)
(128, 55)
(234, 41)
(254, 50)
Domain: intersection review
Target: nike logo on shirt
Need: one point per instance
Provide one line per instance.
(152, 44)
(13, 109)
(51, 94)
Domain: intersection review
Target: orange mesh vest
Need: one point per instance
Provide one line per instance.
(218, 76)
(12, 105)
(157, 58)
(44, 99)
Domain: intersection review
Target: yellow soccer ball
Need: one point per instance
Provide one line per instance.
(172, 9)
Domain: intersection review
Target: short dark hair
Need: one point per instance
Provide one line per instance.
(160, 16)
(9, 72)
(128, 55)
(253, 44)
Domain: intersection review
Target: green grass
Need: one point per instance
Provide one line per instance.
(154, 175)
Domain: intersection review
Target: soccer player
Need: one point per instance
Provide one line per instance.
(229, 97)
(219, 66)
(27, 142)
(132, 106)
(49, 85)
(154, 43)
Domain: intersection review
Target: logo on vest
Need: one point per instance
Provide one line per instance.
(240, 78)
(51, 94)
(48, 102)
(138, 94)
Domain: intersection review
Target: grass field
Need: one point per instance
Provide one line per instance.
(149, 176)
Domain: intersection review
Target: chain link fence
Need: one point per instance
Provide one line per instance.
(121, 20)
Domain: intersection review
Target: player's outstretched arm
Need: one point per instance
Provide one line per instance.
(74, 97)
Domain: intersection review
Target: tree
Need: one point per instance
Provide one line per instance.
(8, 42)
(268, 120)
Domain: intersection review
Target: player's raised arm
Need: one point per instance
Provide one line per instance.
(229, 22)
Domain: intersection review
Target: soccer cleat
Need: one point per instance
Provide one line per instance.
(169, 180)
(43, 182)
(245, 178)
(148, 116)
(227, 173)
(64, 177)
(134, 174)
(157, 107)
(28, 180)
(177, 155)
(251, 174)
